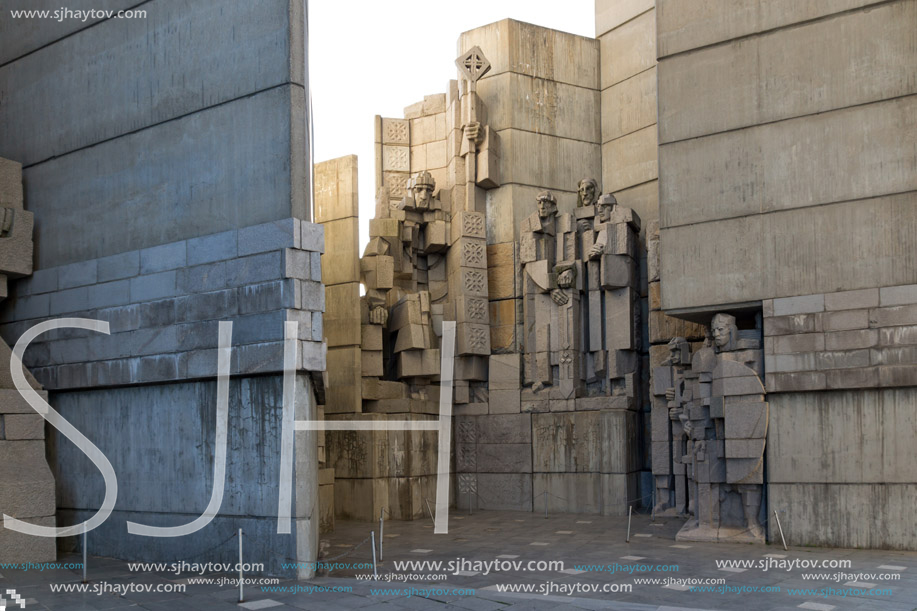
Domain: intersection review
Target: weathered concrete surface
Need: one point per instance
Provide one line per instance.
(809, 69)
(628, 49)
(183, 57)
(160, 440)
(609, 14)
(875, 515)
(875, 429)
(629, 105)
(689, 24)
(127, 193)
(809, 250)
(32, 34)
(539, 105)
(797, 163)
(558, 56)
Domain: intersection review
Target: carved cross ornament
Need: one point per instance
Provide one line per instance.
(472, 64)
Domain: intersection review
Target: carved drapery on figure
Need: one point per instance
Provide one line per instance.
(579, 298)
(718, 417)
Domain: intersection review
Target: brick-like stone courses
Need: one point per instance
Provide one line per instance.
(163, 305)
(851, 339)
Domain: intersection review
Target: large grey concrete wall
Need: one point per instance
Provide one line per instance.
(788, 182)
(144, 131)
(160, 440)
(787, 164)
(167, 163)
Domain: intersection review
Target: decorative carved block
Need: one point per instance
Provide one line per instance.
(474, 282)
(474, 254)
(395, 131)
(396, 159)
(396, 183)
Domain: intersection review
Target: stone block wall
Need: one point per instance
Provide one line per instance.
(787, 185)
(166, 161)
(145, 393)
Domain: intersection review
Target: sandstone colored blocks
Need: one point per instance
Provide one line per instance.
(344, 385)
(341, 262)
(342, 318)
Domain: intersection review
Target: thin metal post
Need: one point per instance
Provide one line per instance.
(630, 511)
(545, 504)
(373, 537)
(85, 550)
(780, 528)
(241, 593)
(427, 501)
(381, 531)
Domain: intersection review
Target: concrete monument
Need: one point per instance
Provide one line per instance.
(718, 416)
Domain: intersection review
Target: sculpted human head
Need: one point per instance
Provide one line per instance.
(724, 330)
(423, 189)
(547, 204)
(588, 191)
(605, 207)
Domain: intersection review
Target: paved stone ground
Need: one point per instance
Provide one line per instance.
(486, 536)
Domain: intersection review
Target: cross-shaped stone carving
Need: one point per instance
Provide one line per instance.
(473, 65)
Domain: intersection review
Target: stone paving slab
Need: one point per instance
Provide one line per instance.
(507, 536)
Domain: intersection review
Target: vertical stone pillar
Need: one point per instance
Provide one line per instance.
(26, 483)
(337, 210)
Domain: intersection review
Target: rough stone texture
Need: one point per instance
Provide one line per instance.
(769, 77)
(855, 345)
(26, 482)
(164, 323)
(690, 24)
(183, 438)
(187, 188)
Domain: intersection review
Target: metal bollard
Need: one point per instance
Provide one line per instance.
(372, 536)
(630, 511)
(780, 528)
(241, 593)
(85, 551)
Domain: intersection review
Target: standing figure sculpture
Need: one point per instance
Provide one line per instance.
(725, 420)
(609, 248)
(552, 280)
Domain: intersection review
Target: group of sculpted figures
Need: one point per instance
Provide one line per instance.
(580, 339)
(579, 296)
(717, 416)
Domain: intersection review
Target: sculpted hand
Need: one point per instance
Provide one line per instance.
(378, 316)
(559, 297)
(473, 132)
(670, 394)
(565, 279)
(596, 251)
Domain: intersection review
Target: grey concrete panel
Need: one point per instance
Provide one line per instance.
(863, 516)
(820, 437)
(821, 66)
(629, 105)
(808, 251)
(689, 24)
(200, 174)
(628, 50)
(184, 57)
(531, 159)
(848, 154)
(541, 106)
(161, 441)
(609, 14)
(558, 56)
(34, 33)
